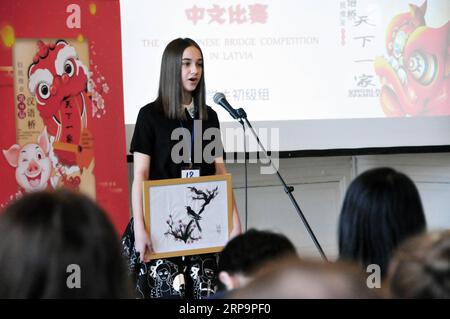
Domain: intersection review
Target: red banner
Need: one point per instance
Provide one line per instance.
(62, 121)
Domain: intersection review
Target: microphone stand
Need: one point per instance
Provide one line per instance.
(245, 174)
(288, 189)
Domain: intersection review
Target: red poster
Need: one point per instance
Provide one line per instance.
(62, 121)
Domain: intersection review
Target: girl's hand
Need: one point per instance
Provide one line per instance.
(142, 244)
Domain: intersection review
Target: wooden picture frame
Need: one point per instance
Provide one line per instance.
(188, 216)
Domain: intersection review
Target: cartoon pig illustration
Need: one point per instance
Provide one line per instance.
(33, 166)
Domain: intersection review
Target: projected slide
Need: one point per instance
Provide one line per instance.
(296, 60)
(302, 59)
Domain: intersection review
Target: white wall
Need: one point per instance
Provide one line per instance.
(320, 184)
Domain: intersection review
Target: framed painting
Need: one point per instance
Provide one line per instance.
(187, 216)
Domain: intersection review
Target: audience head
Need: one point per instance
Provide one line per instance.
(247, 252)
(59, 245)
(420, 267)
(293, 278)
(381, 209)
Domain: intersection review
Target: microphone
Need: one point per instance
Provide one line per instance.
(219, 98)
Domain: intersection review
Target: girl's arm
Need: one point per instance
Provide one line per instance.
(141, 173)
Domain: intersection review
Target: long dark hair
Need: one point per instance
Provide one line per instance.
(382, 208)
(43, 233)
(170, 84)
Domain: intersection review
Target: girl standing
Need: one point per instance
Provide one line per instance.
(180, 103)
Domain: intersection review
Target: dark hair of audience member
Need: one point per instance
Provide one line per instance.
(248, 251)
(381, 209)
(294, 278)
(420, 267)
(43, 233)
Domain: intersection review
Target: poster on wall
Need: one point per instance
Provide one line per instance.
(62, 102)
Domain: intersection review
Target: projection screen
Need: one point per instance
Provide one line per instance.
(311, 75)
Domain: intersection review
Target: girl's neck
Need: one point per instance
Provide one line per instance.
(186, 99)
(189, 108)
